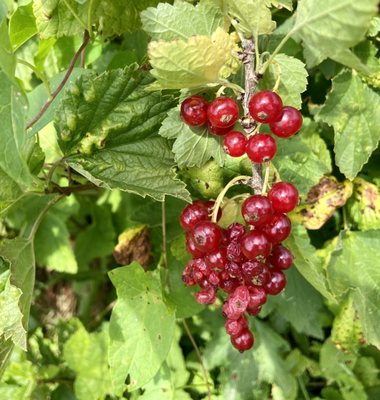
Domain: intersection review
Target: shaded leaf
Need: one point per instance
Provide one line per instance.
(22, 25)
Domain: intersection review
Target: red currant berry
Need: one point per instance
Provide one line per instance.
(223, 112)
(256, 210)
(191, 248)
(265, 106)
(243, 342)
(252, 311)
(207, 236)
(206, 296)
(235, 306)
(262, 278)
(234, 144)
(214, 279)
(257, 296)
(281, 257)
(261, 148)
(194, 110)
(229, 285)
(234, 252)
(219, 131)
(192, 214)
(255, 244)
(289, 123)
(235, 231)
(217, 259)
(278, 228)
(209, 204)
(251, 269)
(283, 196)
(234, 327)
(187, 275)
(233, 269)
(276, 283)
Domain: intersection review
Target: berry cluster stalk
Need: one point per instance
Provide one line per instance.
(251, 80)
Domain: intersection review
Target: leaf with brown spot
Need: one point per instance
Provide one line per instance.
(321, 202)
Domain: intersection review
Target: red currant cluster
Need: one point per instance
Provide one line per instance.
(246, 264)
(222, 113)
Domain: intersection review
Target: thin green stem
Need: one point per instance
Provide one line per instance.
(303, 388)
(221, 195)
(276, 51)
(41, 215)
(51, 173)
(164, 250)
(199, 356)
(345, 219)
(257, 53)
(40, 75)
(89, 18)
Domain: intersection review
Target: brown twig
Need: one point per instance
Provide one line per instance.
(44, 108)
(199, 356)
(67, 190)
(251, 80)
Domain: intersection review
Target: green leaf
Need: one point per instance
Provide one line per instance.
(192, 147)
(304, 158)
(354, 268)
(320, 26)
(301, 305)
(22, 25)
(86, 354)
(10, 315)
(351, 108)
(253, 16)
(181, 20)
(293, 79)
(10, 191)
(335, 366)
(308, 263)
(141, 327)
(197, 62)
(16, 144)
(107, 127)
(7, 58)
(52, 244)
(364, 205)
(288, 4)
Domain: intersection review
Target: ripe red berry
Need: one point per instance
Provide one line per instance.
(219, 131)
(257, 296)
(194, 110)
(276, 283)
(233, 269)
(283, 196)
(234, 252)
(235, 231)
(289, 124)
(192, 214)
(261, 148)
(256, 210)
(206, 296)
(252, 268)
(217, 259)
(281, 257)
(229, 285)
(265, 106)
(209, 204)
(234, 327)
(278, 228)
(235, 306)
(207, 236)
(223, 112)
(243, 342)
(262, 278)
(191, 248)
(255, 244)
(234, 144)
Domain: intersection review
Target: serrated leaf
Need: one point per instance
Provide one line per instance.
(7, 58)
(107, 127)
(192, 147)
(22, 25)
(10, 315)
(52, 245)
(364, 205)
(253, 16)
(352, 109)
(308, 263)
(304, 158)
(181, 20)
(354, 268)
(86, 354)
(293, 79)
(301, 305)
(197, 62)
(141, 327)
(320, 26)
(13, 140)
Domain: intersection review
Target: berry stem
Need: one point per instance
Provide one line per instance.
(266, 177)
(221, 195)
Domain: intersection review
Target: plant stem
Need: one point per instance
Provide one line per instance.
(44, 108)
(199, 356)
(266, 178)
(39, 75)
(163, 213)
(221, 195)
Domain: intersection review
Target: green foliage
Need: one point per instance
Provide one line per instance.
(95, 159)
